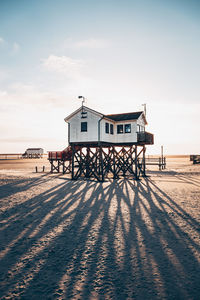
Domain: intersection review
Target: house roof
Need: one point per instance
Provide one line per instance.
(112, 117)
(125, 116)
(34, 149)
(79, 109)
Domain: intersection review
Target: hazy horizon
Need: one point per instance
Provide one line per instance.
(118, 54)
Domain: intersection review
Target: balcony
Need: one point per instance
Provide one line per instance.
(145, 138)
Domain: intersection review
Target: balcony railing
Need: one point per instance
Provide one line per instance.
(145, 138)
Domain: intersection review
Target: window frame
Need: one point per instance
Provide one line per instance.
(106, 127)
(118, 126)
(142, 128)
(84, 115)
(125, 128)
(82, 129)
(138, 128)
(111, 129)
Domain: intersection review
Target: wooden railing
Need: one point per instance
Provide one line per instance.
(15, 155)
(60, 155)
(10, 155)
(156, 161)
(145, 138)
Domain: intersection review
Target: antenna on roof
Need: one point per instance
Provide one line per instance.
(83, 113)
(145, 109)
(83, 99)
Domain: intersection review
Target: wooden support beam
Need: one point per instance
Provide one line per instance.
(73, 153)
(99, 161)
(101, 164)
(144, 161)
(67, 169)
(87, 162)
(55, 165)
(136, 164)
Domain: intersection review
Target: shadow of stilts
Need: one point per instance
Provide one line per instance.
(115, 240)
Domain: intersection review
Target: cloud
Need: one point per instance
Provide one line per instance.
(86, 44)
(3, 93)
(32, 117)
(63, 64)
(12, 48)
(20, 98)
(1, 41)
(92, 44)
(15, 48)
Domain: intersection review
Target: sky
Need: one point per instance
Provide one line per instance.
(117, 54)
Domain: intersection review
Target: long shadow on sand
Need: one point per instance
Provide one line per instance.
(14, 185)
(86, 240)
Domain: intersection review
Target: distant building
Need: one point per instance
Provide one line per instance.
(33, 153)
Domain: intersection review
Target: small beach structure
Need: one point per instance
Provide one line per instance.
(103, 145)
(33, 153)
(195, 159)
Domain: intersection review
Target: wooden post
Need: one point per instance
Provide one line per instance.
(136, 164)
(162, 158)
(73, 162)
(63, 164)
(87, 162)
(144, 161)
(114, 165)
(101, 163)
(160, 163)
(123, 157)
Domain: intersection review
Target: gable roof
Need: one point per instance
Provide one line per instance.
(111, 117)
(79, 109)
(34, 149)
(125, 116)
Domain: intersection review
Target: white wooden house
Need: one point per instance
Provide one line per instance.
(87, 126)
(33, 153)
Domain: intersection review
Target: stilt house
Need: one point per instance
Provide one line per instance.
(89, 127)
(103, 145)
(33, 153)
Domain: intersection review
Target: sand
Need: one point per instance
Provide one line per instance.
(121, 239)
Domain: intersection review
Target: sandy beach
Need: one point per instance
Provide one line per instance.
(121, 239)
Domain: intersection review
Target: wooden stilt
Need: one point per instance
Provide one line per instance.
(144, 161)
(101, 164)
(87, 162)
(136, 164)
(73, 153)
(99, 161)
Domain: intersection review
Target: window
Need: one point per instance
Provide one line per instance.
(127, 128)
(120, 129)
(107, 128)
(83, 114)
(111, 128)
(83, 126)
(138, 128)
(142, 129)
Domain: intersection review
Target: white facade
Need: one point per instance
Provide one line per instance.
(34, 151)
(118, 137)
(91, 135)
(96, 127)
